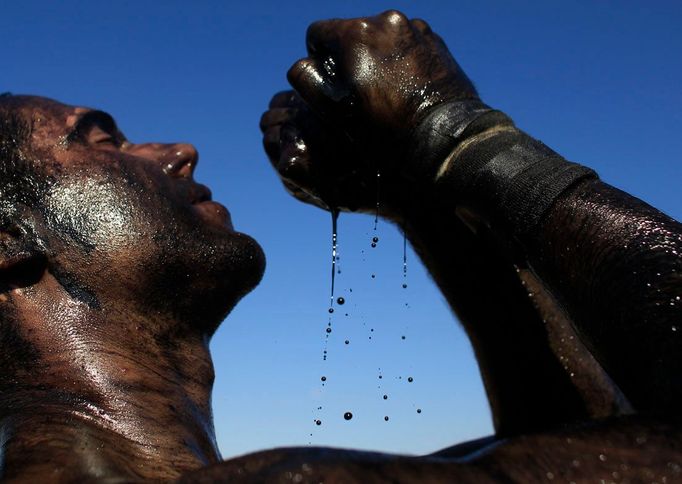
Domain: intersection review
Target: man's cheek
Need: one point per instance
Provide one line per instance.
(92, 213)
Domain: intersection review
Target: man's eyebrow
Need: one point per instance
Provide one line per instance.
(89, 119)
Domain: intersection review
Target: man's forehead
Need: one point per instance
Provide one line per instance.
(50, 121)
(43, 108)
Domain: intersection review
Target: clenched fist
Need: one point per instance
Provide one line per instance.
(364, 105)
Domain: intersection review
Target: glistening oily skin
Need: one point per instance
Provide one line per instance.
(107, 309)
(107, 248)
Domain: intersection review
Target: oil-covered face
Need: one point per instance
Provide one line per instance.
(125, 223)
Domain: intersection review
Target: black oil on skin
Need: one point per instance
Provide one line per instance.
(75, 288)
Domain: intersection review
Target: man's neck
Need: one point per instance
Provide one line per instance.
(96, 405)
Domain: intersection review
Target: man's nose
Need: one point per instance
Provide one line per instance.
(176, 159)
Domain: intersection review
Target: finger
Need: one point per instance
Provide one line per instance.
(315, 87)
(283, 99)
(322, 37)
(276, 116)
(421, 26)
(294, 164)
(272, 144)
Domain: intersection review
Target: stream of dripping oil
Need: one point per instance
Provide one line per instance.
(340, 301)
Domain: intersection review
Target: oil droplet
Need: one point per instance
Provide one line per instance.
(347, 342)
(373, 245)
(410, 379)
(419, 410)
(386, 418)
(404, 286)
(373, 276)
(385, 397)
(331, 310)
(380, 377)
(318, 422)
(324, 378)
(329, 330)
(402, 337)
(375, 239)
(347, 415)
(340, 301)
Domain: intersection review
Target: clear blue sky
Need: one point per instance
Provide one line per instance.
(597, 81)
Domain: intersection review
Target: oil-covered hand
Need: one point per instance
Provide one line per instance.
(364, 92)
(316, 162)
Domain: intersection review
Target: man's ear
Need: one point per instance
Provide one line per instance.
(21, 262)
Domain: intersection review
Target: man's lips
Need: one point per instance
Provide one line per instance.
(199, 193)
(201, 199)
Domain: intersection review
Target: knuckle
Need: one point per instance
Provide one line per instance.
(421, 25)
(395, 18)
(299, 70)
(358, 25)
(314, 29)
(281, 99)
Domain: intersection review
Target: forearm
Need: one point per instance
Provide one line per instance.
(527, 386)
(616, 263)
(595, 247)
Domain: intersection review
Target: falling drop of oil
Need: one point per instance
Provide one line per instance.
(402, 337)
(318, 422)
(386, 418)
(340, 301)
(324, 378)
(375, 239)
(410, 379)
(373, 276)
(419, 410)
(347, 415)
(329, 330)
(347, 342)
(385, 397)
(374, 244)
(335, 218)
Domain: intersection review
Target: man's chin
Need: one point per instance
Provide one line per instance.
(248, 265)
(243, 270)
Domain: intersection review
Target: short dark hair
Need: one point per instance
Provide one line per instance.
(15, 134)
(17, 171)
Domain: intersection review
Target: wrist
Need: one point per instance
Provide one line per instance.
(443, 129)
(506, 178)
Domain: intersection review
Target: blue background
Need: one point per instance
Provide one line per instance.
(597, 81)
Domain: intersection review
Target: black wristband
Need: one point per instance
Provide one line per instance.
(444, 127)
(509, 177)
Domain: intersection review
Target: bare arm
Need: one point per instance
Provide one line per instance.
(616, 263)
(403, 106)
